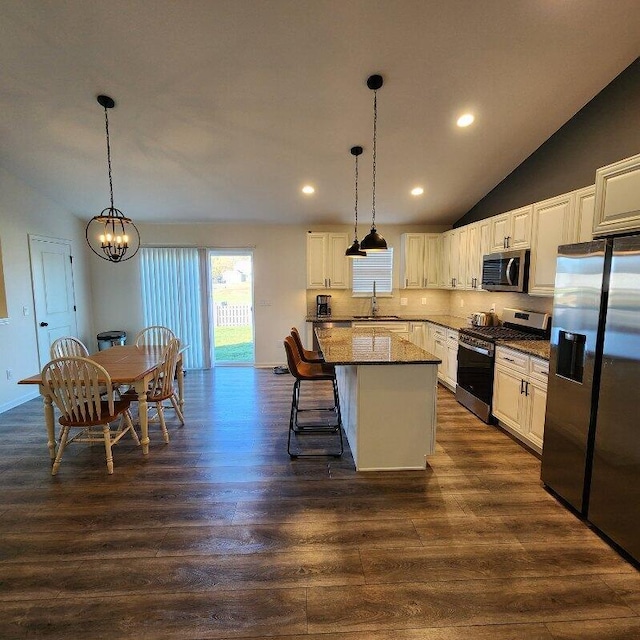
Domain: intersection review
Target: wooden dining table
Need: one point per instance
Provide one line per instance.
(126, 365)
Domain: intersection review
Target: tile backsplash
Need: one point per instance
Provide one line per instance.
(436, 302)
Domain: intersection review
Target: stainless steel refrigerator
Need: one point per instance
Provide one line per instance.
(591, 453)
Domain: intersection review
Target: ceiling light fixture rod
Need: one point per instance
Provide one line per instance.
(373, 241)
(354, 250)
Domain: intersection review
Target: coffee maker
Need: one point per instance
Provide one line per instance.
(323, 306)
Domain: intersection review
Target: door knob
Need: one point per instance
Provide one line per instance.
(44, 324)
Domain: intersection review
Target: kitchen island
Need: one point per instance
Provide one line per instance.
(387, 388)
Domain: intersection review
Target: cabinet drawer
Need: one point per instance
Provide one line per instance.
(439, 332)
(452, 340)
(539, 370)
(512, 359)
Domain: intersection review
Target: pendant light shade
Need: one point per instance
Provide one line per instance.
(373, 241)
(111, 235)
(354, 250)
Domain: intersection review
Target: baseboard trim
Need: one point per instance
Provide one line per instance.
(16, 402)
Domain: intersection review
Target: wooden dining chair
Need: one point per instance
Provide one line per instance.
(77, 387)
(68, 346)
(161, 386)
(154, 336)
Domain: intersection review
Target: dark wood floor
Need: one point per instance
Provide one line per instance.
(219, 535)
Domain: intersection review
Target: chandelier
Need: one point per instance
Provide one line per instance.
(111, 235)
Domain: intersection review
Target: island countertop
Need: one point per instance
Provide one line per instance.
(359, 346)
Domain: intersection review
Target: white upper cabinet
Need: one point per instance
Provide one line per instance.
(327, 266)
(433, 251)
(552, 226)
(452, 261)
(583, 217)
(420, 256)
(412, 260)
(511, 230)
(617, 199)
(478, 242)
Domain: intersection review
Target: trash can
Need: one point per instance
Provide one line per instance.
(108, 339)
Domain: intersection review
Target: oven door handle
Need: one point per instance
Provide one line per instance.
(484, 352)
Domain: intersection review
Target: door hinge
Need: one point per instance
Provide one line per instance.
(71, 259)
(74, 307)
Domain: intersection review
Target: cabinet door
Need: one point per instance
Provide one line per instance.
(440, 352)
(413, 260)
(551, 228)
(338, 268)
(473, 249)
(417, 333)
(316, 260)
(454, 259)
(432, 250)
(484, 240)
(519, 236)
(445, 278)
(617, 201)
(452, 364)
(500, 229)
(429, 338)
(584, 209)
(537, 405)
(463, 250)
(508, 399)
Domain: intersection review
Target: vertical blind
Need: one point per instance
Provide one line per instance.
(378, 267)
(171, 296)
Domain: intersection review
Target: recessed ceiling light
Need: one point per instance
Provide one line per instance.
(308, 189)
(465, 120)
(417, 191)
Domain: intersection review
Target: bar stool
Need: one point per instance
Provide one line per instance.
(311, 372)
(305, 354)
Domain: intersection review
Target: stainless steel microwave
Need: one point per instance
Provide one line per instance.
(506, 271)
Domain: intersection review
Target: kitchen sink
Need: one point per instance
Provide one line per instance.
(376, 317)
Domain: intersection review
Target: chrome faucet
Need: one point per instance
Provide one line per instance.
(374, 301)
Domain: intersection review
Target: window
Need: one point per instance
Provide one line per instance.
(376, 267)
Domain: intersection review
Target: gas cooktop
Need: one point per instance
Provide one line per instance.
(518, 325)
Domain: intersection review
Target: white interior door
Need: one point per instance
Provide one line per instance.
(53, 293)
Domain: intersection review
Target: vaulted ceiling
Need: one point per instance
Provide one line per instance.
(226, 108)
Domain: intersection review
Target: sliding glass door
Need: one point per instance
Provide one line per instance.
(231, 326)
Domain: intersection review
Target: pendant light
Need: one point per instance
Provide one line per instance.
(354, 250)
(373, 241)
(110, 234)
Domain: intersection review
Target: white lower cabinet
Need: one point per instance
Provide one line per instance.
(443, 343)
(418, 334)
(520, 395)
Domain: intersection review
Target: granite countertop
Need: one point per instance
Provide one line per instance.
(537, 348)
(450, 322)
(344, 346)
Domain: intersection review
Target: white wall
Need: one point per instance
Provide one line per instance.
(23, 212)
(279, 254)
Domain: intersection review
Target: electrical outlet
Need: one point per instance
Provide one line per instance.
(9, 374)
(424, 301)
(403, 302)
(493, 307)
(461, 303)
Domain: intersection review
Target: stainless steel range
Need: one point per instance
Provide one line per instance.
(476, 355)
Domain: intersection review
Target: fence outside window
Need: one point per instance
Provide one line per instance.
(232, 315)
